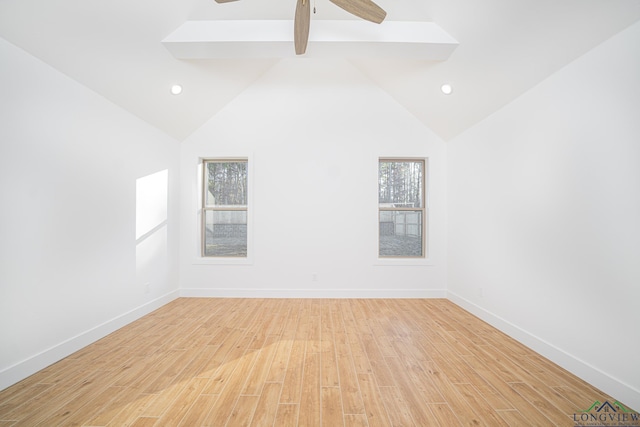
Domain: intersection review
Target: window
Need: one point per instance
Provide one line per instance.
(401, 208)
(224, 212)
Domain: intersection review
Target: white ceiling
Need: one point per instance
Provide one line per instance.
(506, 47)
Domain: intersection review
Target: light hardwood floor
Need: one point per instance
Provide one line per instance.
(301, 362)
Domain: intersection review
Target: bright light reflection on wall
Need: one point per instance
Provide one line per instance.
(151, 229)
(151, 202)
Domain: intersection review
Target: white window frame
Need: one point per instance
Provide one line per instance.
(405, 260)
(199, 225)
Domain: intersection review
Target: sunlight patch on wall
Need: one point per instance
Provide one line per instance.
(151, 229)
(151, 202)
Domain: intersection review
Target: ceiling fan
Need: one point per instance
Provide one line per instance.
(365, 9)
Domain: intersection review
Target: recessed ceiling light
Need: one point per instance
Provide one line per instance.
(447, 89)
(176, 89)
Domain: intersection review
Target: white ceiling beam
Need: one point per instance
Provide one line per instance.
(274, 39)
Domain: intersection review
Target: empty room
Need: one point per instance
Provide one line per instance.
(309, 212)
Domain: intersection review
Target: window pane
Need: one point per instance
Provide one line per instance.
(226, 183)
(400, 184)
(401, 233)
(225, 233)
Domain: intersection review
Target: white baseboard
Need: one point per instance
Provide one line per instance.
(312, 293)
(30, 366)
(610, 385)
(625, 393)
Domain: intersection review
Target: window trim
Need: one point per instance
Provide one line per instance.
(424, 210)
(202, 209)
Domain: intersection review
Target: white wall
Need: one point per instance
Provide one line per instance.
(543, 210)
(313, 131)
(70, 267)
(544, 217)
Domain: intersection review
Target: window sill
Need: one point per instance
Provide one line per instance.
(222, 261)
(420, 262)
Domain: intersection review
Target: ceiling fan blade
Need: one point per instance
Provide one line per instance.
(365, 9)
(225, 1)
(301, 25)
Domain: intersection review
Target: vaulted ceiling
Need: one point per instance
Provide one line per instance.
(506, 47)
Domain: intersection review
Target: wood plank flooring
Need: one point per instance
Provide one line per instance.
(301, 362)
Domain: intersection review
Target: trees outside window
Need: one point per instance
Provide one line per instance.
(401, 208)
(224, 212)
